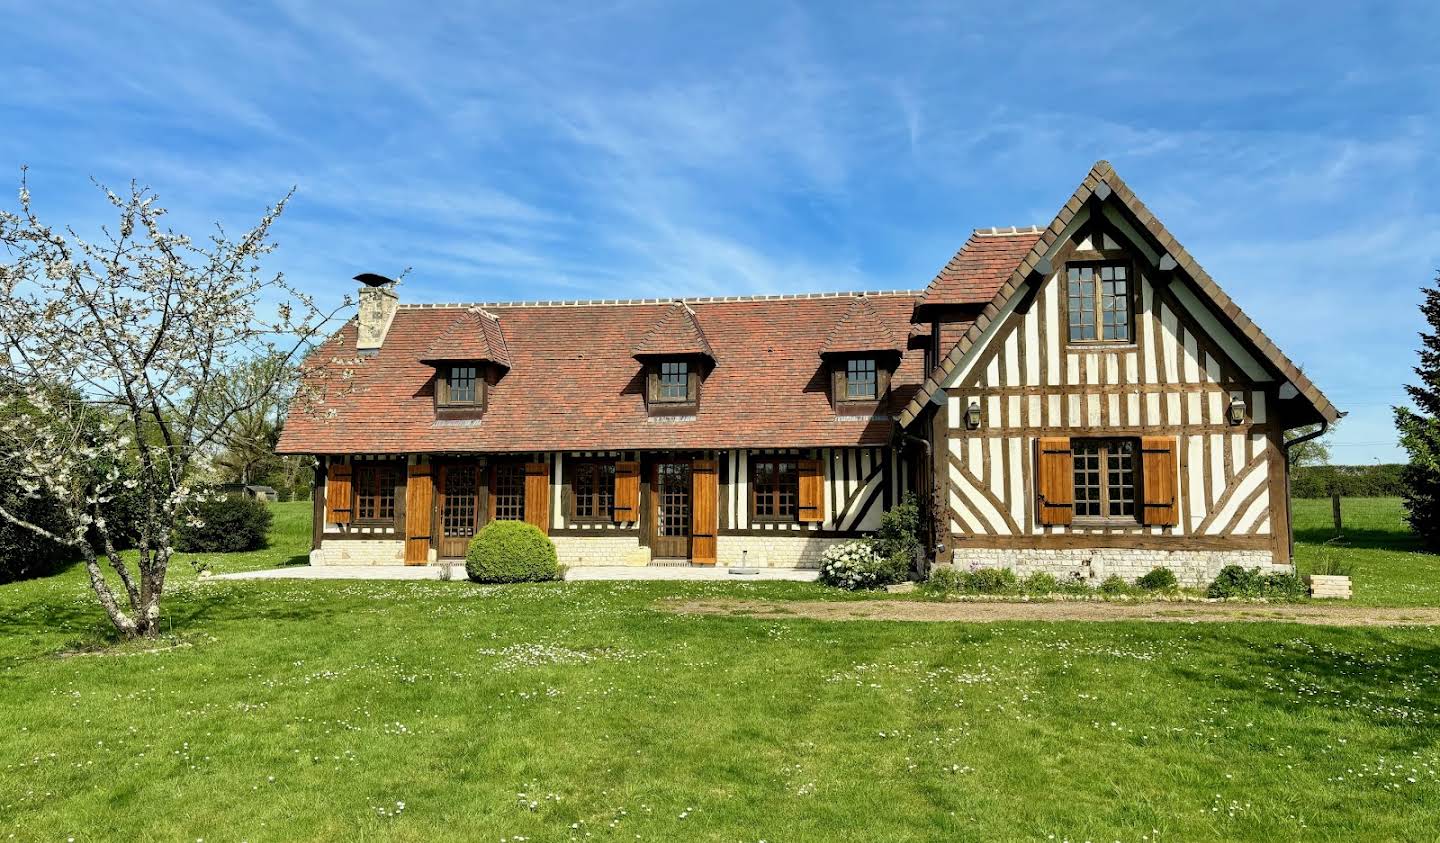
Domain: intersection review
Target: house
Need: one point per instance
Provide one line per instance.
(1080, 398)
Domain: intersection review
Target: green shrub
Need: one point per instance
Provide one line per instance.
(1115, 585)
(1235, 581)
(1159, 579)
(856, 564)
(1330, 563)
(225, 525)
(511, 551)
(898, 539)
(1040, 582)
(944, 580)
(991, 581)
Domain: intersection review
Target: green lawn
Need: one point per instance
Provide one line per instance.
(1389, 569)
(315, 710)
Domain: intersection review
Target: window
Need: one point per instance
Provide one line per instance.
(462, 385)
(1104, 478)
(375, 493)
(775, 488)
(1098, 299)
(509, 492)
(593, 491)
(861, 382)
(674, 381)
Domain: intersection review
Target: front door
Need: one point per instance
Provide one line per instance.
(459, 507)
(671, 493)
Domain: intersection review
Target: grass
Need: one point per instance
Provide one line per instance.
(351, 710)
(1389, 569)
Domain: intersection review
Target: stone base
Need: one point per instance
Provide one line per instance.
(1193, 568)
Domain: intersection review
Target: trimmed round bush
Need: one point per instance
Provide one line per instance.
(511, 551)
(1159, 579)
(226, 525)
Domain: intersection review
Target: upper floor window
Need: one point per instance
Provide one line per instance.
(592, 489)
(375, 492)
(1104, 478)
(774, 488)
(460, 386)
(1098, 297)
(674, 381)
(861, 381)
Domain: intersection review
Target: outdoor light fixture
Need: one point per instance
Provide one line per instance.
(972, 416)
(1237, 410)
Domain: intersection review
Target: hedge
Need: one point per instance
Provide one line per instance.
(1351, 481)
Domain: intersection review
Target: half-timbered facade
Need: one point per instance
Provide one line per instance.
(1079, 398)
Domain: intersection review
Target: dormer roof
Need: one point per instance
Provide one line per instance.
(474, 335)
(676, 333)
(861, 329)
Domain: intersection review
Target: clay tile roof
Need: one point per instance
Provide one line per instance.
(675, 332)
(981, 267)
(861, 329)
(474, 335)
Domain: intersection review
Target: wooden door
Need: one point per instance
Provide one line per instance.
(459, 508)
(670, 490)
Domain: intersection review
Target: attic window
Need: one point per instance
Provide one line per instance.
(861, 383)
(674, 381)
(462, 385)
(1098, 299)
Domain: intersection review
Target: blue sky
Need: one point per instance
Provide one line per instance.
(535, 150)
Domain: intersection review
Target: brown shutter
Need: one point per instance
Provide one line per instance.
(627, 491)
(811, 500)
(337, 494)
(537, 495)
(1158, 477)
(704, 510)
(419, 501)
(1055, 480)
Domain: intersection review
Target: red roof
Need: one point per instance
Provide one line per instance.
(674, 333)
(981, 267)
(573, 384)
(474, 335)
(862, 329)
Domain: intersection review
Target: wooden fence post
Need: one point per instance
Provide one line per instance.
(1335, 510)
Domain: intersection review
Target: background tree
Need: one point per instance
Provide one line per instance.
(142, 330)
(1311, 453)
(1420, 430)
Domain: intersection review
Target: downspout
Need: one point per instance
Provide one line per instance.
(928, 484)
(1285, 446)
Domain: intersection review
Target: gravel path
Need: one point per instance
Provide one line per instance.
(1328, 614)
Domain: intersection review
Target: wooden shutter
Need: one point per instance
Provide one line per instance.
(338, 496)
(1160, 494)
(811, 498)
(627, 491)
(1055, 480)
(419, 501)
(537, 495)
(704, 510)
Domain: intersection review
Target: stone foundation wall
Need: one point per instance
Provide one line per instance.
(779, 551)
(601, 549)
(361, 552)
(1194, 568)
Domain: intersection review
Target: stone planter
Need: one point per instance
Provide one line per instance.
(1328, 586)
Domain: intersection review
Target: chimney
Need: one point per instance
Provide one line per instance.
(377, 310)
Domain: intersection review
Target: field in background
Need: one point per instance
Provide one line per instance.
(430, 710)
(1389, 568)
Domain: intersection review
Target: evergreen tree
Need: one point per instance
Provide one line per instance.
(1420, 431)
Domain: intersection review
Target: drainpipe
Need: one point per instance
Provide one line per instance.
(1285, 446)
(928, 484)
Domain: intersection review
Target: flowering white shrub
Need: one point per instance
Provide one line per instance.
(851, 565)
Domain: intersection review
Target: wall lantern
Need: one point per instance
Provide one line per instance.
(1237, 410)
(972, 416)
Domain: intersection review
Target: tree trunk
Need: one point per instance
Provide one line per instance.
(122, 622)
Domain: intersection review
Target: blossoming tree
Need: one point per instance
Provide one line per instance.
(121, 350)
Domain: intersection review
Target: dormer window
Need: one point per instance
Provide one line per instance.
(674, 382)
(861, 381)
(459, 387)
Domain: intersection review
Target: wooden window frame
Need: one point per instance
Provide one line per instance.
(494, 490)
(1097, 260)
(443, 400)
(1103, 445)
(366, 485)
(840, 381)
(657, 404)
(873, 382)
(603, 488)
(756, 461)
